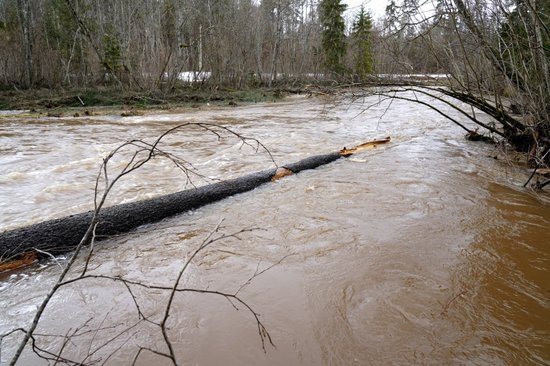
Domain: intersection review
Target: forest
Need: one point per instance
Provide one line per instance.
(148, 43)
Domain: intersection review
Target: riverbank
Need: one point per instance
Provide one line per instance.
(58, 102)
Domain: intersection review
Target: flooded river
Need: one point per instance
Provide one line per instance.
(424, 251)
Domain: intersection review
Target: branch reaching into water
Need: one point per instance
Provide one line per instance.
(140, 152)
(395, 94)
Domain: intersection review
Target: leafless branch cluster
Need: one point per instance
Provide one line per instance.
(137, 153)
(495, 55)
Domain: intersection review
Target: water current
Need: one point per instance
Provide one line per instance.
(424, 251)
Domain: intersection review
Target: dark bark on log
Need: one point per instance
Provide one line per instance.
(62, 235)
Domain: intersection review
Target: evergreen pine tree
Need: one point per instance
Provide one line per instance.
(333, 36)
(362, 42)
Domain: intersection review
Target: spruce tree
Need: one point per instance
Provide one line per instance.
(333, 36)
(362, 42)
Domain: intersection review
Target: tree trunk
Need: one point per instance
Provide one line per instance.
(62, 235)
(24, 12)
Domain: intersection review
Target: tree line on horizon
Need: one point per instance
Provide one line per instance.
(148, 43)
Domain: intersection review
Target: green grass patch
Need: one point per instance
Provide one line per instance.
(49, 99)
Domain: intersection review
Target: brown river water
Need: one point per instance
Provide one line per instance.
(424, 251)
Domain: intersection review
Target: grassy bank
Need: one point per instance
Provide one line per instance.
(58, 101)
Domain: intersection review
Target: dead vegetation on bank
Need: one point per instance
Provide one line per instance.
(49, 100)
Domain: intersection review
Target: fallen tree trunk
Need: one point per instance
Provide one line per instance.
(62, 235)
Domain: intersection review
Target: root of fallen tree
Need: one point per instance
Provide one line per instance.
(62, 235)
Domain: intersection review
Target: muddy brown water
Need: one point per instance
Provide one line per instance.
(423, 251)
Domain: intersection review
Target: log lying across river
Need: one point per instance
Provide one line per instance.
(62, 235)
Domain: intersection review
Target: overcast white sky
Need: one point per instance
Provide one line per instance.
(376, 7)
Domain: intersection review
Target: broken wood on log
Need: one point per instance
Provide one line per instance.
(21, 261)
(281, 173)
(366, 146)
(64, 234)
